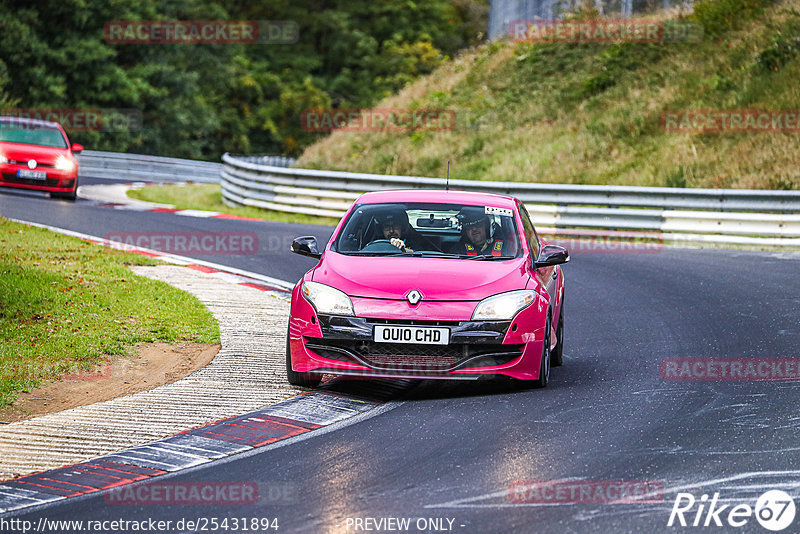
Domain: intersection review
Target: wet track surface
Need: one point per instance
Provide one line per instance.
(451, 450)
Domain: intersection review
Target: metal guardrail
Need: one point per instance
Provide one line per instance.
(114, 165)
(691, 216)
(145, 168)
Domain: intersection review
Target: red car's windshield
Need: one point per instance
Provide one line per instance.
(31, 134)
(430, 230)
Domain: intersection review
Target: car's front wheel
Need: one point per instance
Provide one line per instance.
(69, 195)
(557, 358)
(544, 367)
(65, 196)
(306, 380)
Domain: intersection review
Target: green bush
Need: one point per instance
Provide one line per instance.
(720, 16)
(616, 61)
(785, 47)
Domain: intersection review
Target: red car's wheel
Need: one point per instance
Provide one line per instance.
(71, 195)
(67, 195)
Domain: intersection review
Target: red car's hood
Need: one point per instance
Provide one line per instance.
(435, 278)
(42, 154)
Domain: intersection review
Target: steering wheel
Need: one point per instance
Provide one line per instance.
(380, 245)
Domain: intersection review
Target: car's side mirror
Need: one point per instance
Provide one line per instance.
(306, 246)
(76, 148)
(551, 255)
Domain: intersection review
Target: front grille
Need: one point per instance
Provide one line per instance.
(400, 356)
(14, 179)
(410, 356)
(25, 163)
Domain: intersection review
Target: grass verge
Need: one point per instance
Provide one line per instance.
(66, 304)
(209, 198)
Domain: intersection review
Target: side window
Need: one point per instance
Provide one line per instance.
(530, 233)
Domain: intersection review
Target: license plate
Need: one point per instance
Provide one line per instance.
(424, 335)
(32, 175)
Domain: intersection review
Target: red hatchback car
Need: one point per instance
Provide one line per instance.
(36, 154)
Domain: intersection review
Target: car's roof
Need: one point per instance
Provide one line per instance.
(439, 196)
(32, 122)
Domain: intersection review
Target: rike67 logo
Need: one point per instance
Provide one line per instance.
(774, 510)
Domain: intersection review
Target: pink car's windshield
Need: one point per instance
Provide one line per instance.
(430, 230)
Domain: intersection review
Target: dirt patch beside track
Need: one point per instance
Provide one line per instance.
(153, 364)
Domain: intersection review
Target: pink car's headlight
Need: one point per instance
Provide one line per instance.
(503, 306)
(327, 300)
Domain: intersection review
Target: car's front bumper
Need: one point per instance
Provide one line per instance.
(56, 181)
(345, 346)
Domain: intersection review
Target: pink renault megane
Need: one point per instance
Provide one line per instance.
(429, 284)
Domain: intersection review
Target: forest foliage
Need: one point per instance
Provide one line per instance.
(200, 100)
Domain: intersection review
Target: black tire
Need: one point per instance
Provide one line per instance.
(557, 357)
(306, 380)
(544, 369)
(544, 366)
(71, 196)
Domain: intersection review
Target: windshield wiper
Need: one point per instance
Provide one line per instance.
(427, 254)
(359, 253)
(486, 258)
(415, 254)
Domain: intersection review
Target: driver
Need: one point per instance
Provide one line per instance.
(395, 227)
(476, 233)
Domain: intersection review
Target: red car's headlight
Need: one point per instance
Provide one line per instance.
(65, 164)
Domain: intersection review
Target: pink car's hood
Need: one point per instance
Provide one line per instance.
(435, 278)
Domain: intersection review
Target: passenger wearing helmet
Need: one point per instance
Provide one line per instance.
(476, 234)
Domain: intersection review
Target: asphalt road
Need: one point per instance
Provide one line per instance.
(273, 239)
(451, 450)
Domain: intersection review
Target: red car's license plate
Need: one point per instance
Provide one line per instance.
(411, 334)
(32, 175)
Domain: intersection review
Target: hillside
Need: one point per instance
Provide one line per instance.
(593, 113)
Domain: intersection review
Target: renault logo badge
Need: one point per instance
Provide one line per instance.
(414, 297)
